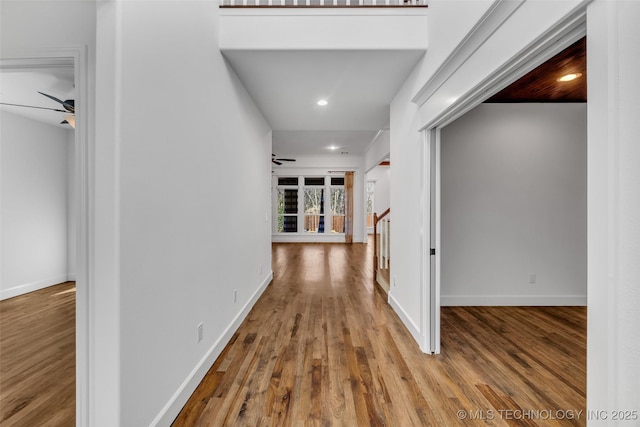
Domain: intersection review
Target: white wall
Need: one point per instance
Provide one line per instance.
(613, 336)
(34, 201)
(382, 176)
(306, 28)
(449, 23)
(320, 166)
(514, 203)
(190, 159)
(378, 150)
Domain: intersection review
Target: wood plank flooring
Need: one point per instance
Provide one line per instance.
(37, 358)
(323, 348)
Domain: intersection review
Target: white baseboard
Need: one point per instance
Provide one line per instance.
(513, 300)
(414, 330)
(303, 238)
(173, 407)
(33, 286)
(314, 238)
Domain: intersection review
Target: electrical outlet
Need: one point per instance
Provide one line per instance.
(200, 331)
(532, 278)
(394, 282)
(235, 296)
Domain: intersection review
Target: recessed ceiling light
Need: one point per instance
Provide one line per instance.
(569, 77)
(322, 102)
(332, 147)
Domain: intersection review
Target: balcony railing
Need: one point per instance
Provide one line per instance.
(322, 3)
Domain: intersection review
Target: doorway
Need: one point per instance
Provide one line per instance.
(76, 58)
(434, 249)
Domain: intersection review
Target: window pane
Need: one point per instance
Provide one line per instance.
(314, 200)
(287, 201)
(314, 181)
(337, 201)
(287, 224)
(314, 223)
(287, 180)
(337, 181)
(337, 224)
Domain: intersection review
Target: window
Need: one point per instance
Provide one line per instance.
(287, 205)
(371, 185)
(311, 204)
(314, 209)
(337, 208)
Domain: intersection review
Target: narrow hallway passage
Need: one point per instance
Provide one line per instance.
(323, 347)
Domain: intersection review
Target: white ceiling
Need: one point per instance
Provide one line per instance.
(359, 86)
(311, 142)
(22, 87)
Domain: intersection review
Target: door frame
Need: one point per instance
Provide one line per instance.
(545, 47)
(77, 56)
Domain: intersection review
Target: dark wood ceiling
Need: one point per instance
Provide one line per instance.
(541, 85)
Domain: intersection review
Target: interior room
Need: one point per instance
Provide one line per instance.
(216, 187)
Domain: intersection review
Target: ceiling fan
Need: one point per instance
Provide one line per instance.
(279, 161)
(68, 105)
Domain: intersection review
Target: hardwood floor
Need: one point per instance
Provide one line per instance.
(323, 348)
(37, 358)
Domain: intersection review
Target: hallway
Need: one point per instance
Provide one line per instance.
(323, 347)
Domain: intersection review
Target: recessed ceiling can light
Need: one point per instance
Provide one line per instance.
(322, 102)
(569, 77)
(333, 147)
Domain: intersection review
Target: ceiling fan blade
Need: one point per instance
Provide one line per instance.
(33, 106)
(287, 160)
(69, 104)
(276, 162)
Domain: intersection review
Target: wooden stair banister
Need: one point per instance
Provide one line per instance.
(377, 218)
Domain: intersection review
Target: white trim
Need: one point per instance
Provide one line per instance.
(33, 286)
(425, 245)
(308, 238)
(78, 56)
(319, 11)
(408, 322)
(435, 348)
(173, 407)
(568, 31)
(493, 19)
(513, 300)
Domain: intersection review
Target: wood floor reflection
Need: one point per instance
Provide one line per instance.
(323, 347)
(37, 358)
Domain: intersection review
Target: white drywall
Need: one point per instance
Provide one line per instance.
(382, 176)
(613, 344)
(192, 159)
(306, 28)
(514, 203)
(449, 23)
(34, 201)
(321, 166)
(378, 149)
